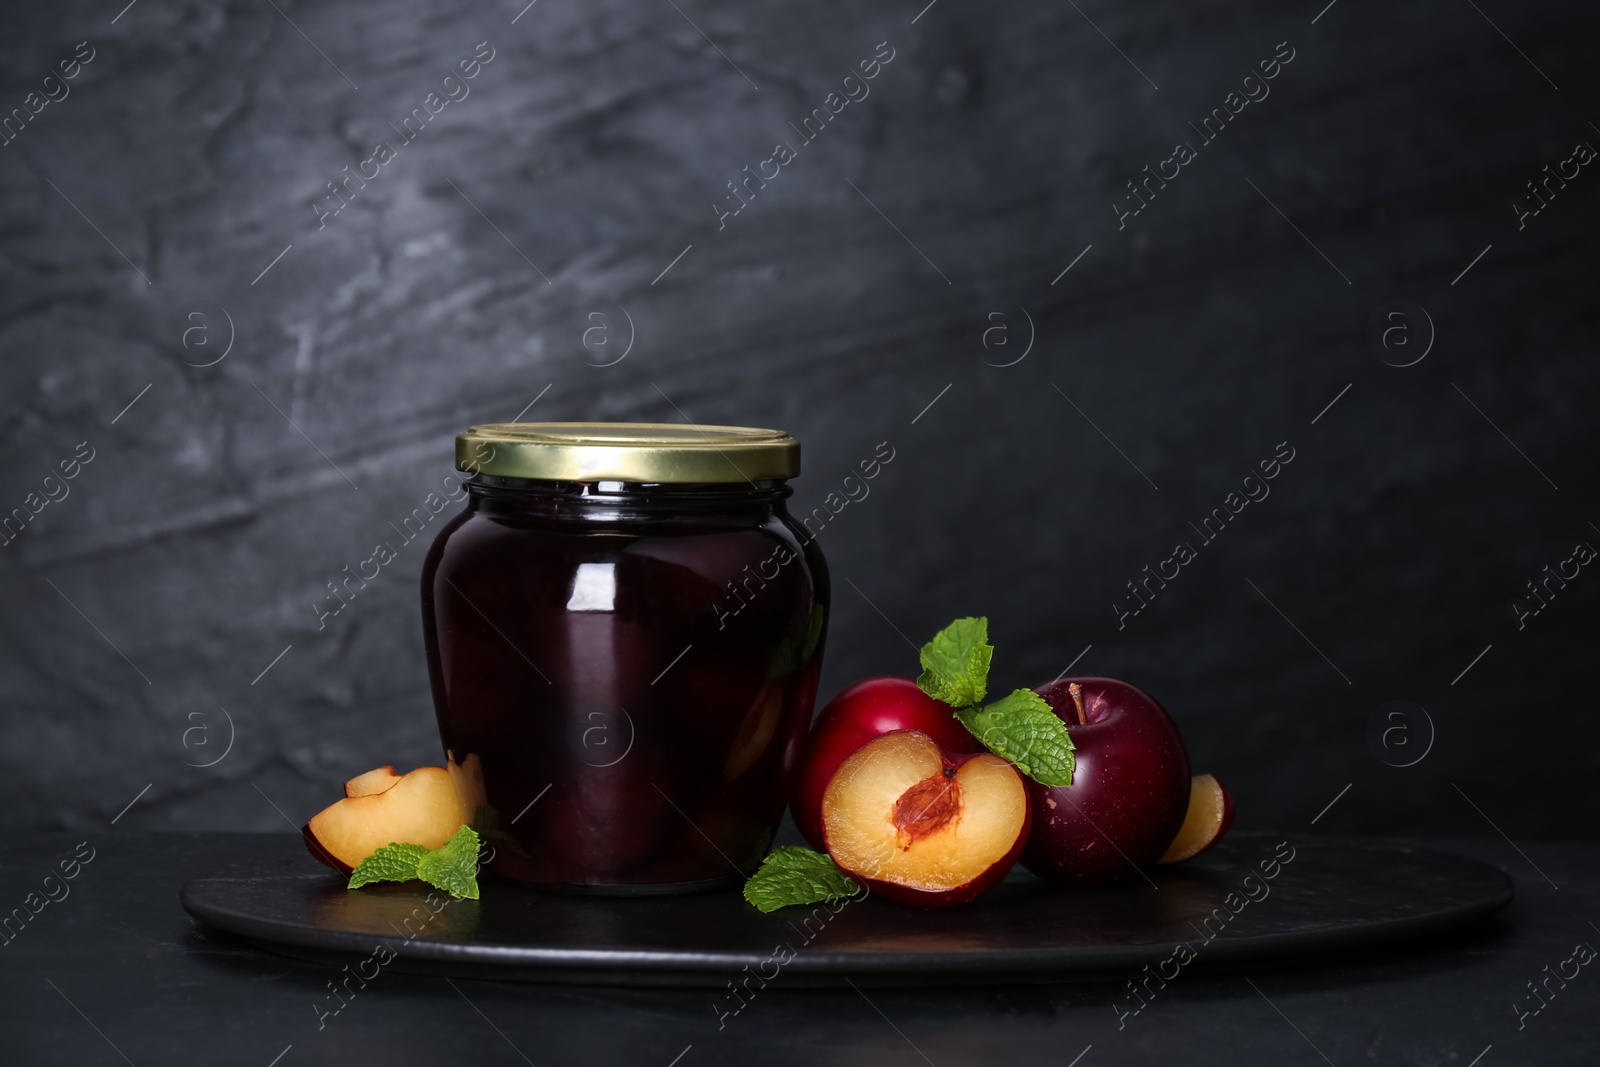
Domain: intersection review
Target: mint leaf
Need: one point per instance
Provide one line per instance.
(394, 862)
(1022, 728)
(794, 875)
(453, 866)
(955, 664)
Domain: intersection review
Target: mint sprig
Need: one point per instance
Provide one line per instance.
(794, 875)
(1022, 728)
(1019, 727)
(955, 664)
(453, 866)
(394, 862)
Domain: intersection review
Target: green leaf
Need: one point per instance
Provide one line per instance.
(955, 664)
(394, 862)
(453, 866)
(794, 875)
(1022, 728)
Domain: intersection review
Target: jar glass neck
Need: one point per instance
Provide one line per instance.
(534, 496)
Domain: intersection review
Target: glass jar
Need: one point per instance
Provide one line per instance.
(624, 629)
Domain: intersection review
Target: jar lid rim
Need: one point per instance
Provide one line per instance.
(652, 452)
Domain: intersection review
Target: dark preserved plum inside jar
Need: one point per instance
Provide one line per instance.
(624, 630)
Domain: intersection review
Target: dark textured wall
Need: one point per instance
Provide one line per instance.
(174, 200)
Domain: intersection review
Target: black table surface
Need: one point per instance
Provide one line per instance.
(113, 971)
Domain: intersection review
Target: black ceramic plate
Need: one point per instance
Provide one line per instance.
(1224, 907)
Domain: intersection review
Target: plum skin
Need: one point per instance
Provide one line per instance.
(1130, 789)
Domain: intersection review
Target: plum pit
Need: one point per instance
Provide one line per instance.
(926, 808)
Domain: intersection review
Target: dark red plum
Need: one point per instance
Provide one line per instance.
(1129, 793)
(860, 712)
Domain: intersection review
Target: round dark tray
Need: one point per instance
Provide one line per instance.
(1332, 895)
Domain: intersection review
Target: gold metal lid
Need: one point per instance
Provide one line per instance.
(650, 452)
